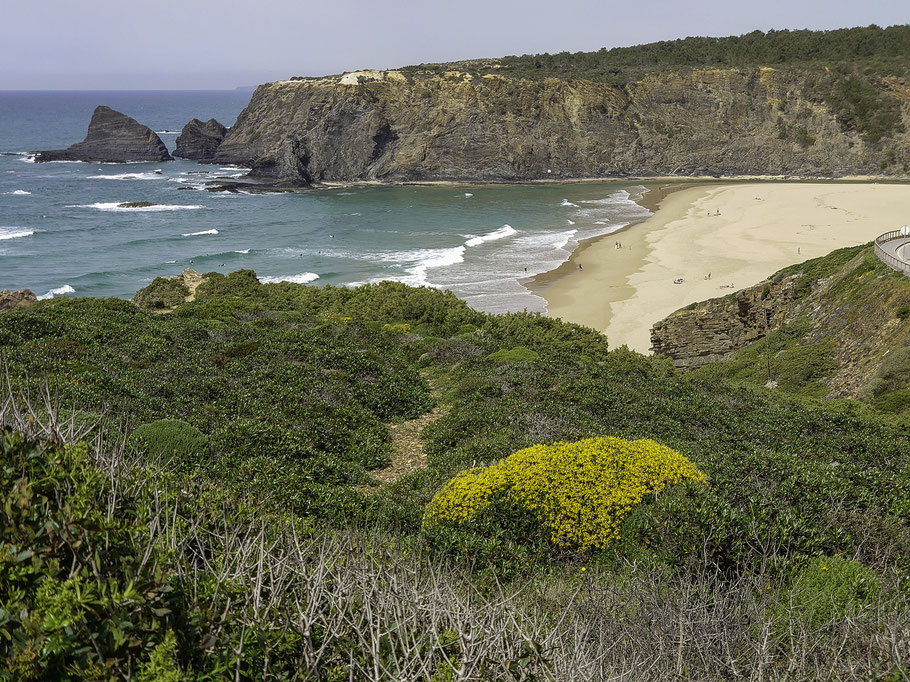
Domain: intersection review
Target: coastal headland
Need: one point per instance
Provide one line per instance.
(737, 234)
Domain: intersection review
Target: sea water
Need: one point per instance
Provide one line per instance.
(62, 232)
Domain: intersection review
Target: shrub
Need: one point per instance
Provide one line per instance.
(895, 401)
(171, 440)
(517, 354)
(826, 589)
(161, 294)
(580, 492)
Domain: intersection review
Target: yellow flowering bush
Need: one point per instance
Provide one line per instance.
(580, 492)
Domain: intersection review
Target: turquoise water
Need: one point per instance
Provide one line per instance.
(61, 232)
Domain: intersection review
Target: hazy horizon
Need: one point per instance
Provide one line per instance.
(60, 45)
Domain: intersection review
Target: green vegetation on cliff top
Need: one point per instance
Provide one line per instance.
(884, 49)
(281, 402)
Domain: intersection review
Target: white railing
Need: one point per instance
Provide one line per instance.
(892, 260)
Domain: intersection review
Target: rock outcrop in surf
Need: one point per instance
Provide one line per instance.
(200, 140)
(112, 138)
(15, 299)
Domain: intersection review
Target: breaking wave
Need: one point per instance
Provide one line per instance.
(302, 278)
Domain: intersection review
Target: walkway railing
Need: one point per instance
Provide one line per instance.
(889, 259)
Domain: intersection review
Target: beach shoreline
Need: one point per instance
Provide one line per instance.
(740, 233)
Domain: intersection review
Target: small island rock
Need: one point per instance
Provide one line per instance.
(200, 140)
(112, 138)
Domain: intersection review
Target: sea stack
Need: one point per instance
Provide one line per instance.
(112, 138)
(200, 140)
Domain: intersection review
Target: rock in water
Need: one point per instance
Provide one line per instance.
(200, 141)
(114, 138)
(15, 299)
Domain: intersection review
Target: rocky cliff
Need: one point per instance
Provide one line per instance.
(200, 140)
(411, 126)
(113, 138)
(713, 330)
(841, 322)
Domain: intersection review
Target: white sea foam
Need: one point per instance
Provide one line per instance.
(170, 262)
(116, 207)
(127, 176)
(234, 168)
(501, 233)
(199, 234)
(571, 222)
(563, 239)
(18, 192)
(566, 202)
(423, 260)
(468, 194)
(27, 158)
(167, 132)
(14, 233)
(59, 291)
(302, 278)
(243, 251)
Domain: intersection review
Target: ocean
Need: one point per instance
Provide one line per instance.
(62, 234)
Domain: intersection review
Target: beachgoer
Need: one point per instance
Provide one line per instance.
(797, 250)
(579, 267)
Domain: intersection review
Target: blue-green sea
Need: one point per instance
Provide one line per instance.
(62, 234)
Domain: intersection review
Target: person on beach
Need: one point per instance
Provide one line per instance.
(579, 267)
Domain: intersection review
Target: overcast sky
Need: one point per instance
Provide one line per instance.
(176, 44)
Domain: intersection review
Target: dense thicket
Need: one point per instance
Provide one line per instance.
(885, 49)
(278, 400)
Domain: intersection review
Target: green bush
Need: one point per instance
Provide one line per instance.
(516, 354)
(893, 374)
(171, 441)
(162, 294)
(77, 600)
(829, 587)
(895, 402)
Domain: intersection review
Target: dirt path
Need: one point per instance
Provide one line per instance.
(192, 280)
(407, 448)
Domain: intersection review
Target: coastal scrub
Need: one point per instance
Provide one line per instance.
(580, 492)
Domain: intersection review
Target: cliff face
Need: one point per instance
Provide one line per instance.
(114, 138)
(713, 330)
(388, 126)
(848, 305)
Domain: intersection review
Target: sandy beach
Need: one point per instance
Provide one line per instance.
(739, 233)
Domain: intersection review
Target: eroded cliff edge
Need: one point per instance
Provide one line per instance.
(841, 322)
(399, 126)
